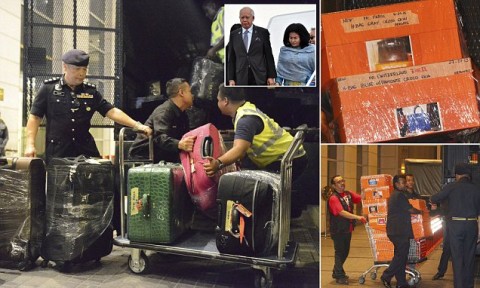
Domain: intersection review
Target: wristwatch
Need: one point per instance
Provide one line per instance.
(220, 164)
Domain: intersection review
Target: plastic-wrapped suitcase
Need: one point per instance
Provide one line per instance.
(203, 189)
(159, 209)
(248, 213)
(79, 210)
(22, 211)
(205, 79)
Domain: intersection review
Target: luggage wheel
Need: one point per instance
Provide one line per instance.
(263, 277)
(138, 262)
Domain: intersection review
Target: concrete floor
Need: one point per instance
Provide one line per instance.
(178, 271)
(360, 259)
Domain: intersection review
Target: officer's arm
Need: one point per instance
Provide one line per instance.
(32, 129)
(120, 117)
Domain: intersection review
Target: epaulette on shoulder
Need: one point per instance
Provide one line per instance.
(51, 80)
(90, 85)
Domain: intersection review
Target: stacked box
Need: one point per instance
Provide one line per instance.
(378, 221)
(382, 192)
(405, 102)
(421, 204)
(374, 206)
(374, 181)
(390, 36)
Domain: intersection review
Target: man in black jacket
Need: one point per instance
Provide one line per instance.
(250, 60)
(462, 217)
(399, 231)
(169, 123)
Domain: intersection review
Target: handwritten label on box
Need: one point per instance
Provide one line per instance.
(404, 75)
(379, 21)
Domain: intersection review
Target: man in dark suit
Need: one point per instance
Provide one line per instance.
(399, 231)
(250, 60)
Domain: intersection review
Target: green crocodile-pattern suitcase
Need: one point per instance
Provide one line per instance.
(165, 209)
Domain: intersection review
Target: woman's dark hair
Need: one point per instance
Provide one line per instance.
(301, 31)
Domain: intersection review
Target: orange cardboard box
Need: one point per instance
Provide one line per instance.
(374, 206)
(405, 102)
(419, 204)
(417, 226)
(381, 192)
(399, 35)
(375, 181)
(378, 221)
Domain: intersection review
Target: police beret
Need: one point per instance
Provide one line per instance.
(76, 57)
(463, 168)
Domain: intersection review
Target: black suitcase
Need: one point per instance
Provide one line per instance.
(248, 213)
(79, 210)
(22, 211)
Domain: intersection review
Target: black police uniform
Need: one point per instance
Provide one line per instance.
(463, 209)
(68, 114)
(399, 231)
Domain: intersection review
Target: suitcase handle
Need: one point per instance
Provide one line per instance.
(207, 147)
(146, 205)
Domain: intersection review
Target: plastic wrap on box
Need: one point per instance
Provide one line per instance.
(406, 102)
(14, 219)
(205, 79)
(79, 208)
(386, 37)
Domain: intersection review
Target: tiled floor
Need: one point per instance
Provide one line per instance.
(360, 259)
(177, 271)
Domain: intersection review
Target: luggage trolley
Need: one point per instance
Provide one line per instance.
(377, 240)
(201, 244)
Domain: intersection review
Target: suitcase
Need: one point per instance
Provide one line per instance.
(22, 211)
(205, 79)
(203, 189)
(159, 208)
(248, 213)
(79, 210)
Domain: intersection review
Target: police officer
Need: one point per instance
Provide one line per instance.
(399, 231)
(68, 103)
(463, 209)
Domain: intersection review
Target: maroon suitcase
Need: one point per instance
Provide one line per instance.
(203, 189)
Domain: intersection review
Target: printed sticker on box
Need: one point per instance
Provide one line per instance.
(417, 119)
(389, 53)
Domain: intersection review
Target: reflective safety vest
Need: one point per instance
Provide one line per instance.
(217, 33)
(271, 143)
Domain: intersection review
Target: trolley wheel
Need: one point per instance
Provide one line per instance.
(361, 280)
(373, 275)
(412, 281)
(262, 279)
(417, 279)
(140, 267)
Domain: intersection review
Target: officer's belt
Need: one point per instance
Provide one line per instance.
(464, 218)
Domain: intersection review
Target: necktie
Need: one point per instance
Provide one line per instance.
(245, 39)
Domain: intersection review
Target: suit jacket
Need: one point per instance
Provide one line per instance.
(259, 57)
(398, 217)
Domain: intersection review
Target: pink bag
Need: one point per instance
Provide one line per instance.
(203, 189)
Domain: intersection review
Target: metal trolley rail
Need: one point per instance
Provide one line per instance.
(415, 256)
(202, 244)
